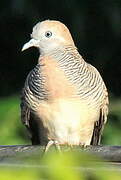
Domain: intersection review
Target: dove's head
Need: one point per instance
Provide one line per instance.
(49, 35)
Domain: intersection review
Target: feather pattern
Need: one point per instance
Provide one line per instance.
(87, 80)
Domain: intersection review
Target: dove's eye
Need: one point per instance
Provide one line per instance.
(48, 34)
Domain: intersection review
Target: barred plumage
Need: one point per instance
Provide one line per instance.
(83, 75)
(64, 98)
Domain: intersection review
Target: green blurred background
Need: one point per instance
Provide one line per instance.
(96, 29)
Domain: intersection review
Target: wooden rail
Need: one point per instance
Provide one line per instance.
(19, 152)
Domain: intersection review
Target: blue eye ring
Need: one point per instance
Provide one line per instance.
(48, 34)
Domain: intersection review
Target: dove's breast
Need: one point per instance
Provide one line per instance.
(67, 113)
(67, 118)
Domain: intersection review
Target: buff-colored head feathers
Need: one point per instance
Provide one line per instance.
(48, 35)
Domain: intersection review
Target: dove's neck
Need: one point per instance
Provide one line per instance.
(66, 55)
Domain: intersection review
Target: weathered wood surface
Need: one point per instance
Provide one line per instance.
(28, 156)
(108, 153)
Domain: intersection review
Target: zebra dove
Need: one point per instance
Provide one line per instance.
(64, 99)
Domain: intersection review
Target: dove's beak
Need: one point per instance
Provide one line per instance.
(31, 43)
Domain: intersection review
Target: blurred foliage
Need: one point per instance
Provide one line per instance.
(66, 166)
(112, 132)
(11, 128)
